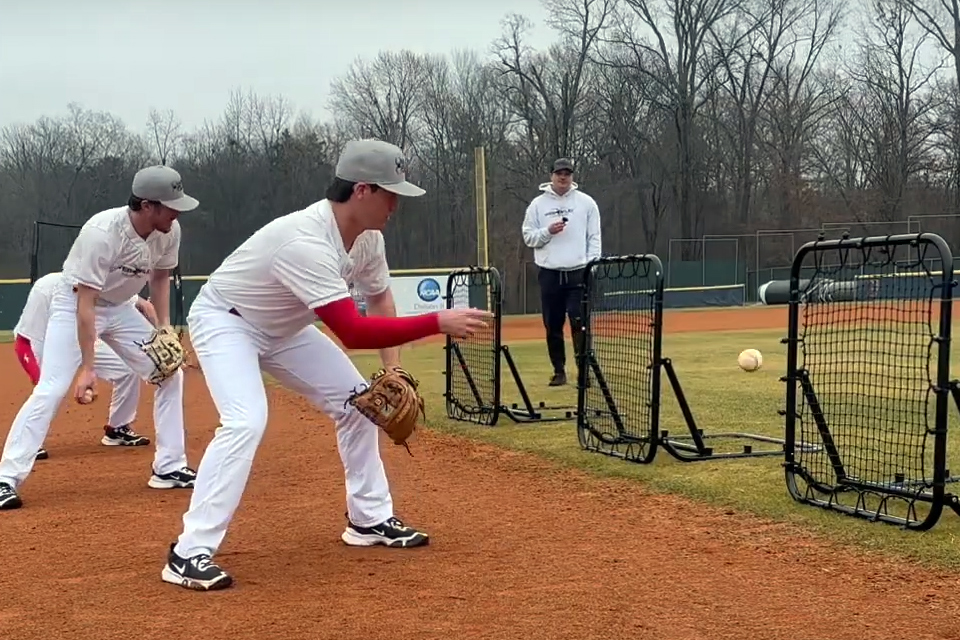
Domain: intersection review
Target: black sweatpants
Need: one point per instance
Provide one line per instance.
(561, 294)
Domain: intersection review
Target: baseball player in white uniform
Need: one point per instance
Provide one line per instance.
(116, 254)
(29, 334)
(257, 313)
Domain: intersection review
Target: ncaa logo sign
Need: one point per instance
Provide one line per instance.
(428, 290)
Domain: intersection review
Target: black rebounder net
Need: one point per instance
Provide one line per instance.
(473, 364)
(867, 378)
(619, 372)
(51, 244)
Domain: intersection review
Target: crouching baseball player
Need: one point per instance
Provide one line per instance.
(29, 334)
(257, 312)
(116, 254)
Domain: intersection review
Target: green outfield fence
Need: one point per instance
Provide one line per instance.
(752, 259)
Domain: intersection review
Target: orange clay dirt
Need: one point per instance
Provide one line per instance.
(520, 548)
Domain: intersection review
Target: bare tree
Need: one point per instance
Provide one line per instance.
(380, 98)
(800, 98)
(549, 91)
(637, 153)
(678, 59)
(941, 20)
(946, 141)
(753, 54)
(65, 163)
(888, 112)
(164, 134)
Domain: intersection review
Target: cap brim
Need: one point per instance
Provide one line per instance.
(404, 189)
(183, 203)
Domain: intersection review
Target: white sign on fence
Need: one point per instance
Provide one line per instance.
(414, 295)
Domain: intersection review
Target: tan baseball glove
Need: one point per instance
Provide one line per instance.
(165, 351)
(392, 402)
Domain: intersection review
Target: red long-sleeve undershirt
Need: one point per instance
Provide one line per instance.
(373, 332)
(28, 361)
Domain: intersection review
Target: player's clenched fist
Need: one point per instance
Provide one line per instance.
(462, 323)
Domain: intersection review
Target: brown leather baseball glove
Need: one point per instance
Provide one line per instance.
(165, 352)
(392, 402)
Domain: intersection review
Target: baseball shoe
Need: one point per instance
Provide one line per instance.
(179, 479)
(199, 573)
(42, 454)
(123, 437)
(8, 497)
(391, 533)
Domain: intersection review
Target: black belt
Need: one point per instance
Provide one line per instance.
(235, 312)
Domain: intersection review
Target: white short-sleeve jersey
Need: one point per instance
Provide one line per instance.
(109, 255)
(295, 264)
(32, 324)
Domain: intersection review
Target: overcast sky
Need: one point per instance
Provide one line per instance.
(125, 56)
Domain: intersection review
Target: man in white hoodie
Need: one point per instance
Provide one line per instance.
(562, 226)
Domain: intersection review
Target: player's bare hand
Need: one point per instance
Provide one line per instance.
(463, 323)
(86, 390)
(556, 227)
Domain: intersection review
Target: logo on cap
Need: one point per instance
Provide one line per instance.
(401, 163)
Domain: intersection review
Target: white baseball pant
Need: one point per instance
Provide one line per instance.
(232, 355)
(120, 327)
(109, 367)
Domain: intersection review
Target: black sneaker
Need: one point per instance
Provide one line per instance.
(42, 454)
(9, 498)
(123, 437)
(559, 379)
(179, 479)
(391, 533)
(199, 573)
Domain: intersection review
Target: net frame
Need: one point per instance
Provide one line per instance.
(472, 365)
(855, 471)
(625, 435)
(36, 269)
(603, 426)
(473, 373)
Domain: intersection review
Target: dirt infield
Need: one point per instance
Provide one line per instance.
(521, 549)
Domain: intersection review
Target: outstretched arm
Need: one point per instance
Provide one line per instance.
(358, 332)
(383, 305)
(308, 268)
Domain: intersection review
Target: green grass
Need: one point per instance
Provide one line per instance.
(722, 398)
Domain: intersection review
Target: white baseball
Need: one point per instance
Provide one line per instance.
(750, 360)
(87, 397)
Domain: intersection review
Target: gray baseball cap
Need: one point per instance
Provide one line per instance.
(376, 162)
(562, 164)
(162, 184)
